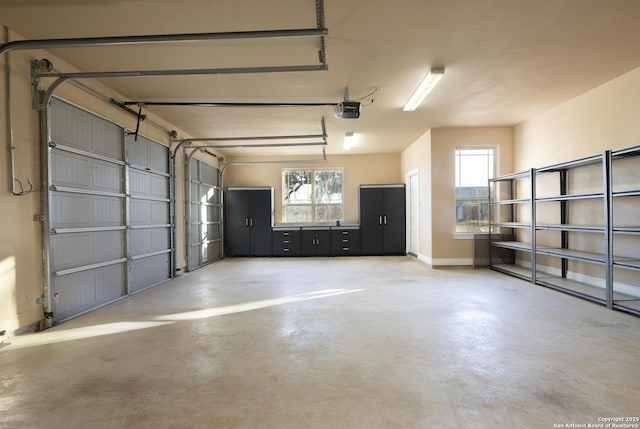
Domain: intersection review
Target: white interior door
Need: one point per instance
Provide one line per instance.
(413, 210)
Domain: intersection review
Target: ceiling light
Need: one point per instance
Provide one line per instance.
(428, 83)
(349, 140)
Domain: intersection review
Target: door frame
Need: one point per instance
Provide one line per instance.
(413, 234)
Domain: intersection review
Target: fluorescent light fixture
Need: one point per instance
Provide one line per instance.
(349, 140)
(428, 83)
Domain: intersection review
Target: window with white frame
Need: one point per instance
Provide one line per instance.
(474, 167)
(312, 195)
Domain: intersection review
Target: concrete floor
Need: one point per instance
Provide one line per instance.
(328, 343)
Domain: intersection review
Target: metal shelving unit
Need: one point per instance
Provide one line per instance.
(625, 196)
(583, 238)
(510, 203)
(572, 249)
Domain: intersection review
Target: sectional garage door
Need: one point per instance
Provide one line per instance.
(109, 217)
(205, 214)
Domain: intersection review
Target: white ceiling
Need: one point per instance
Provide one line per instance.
(505, 60)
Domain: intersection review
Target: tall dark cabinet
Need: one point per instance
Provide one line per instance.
(382, 219)
(249, 221)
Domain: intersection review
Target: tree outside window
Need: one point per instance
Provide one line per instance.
(312, 195)
(474, 167)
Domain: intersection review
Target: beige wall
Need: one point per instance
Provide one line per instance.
(358, 170)
(433, 155)
(604, 118)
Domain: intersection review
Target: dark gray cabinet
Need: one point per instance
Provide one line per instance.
(286, 242)
(345, 241)
(316, 242)
(382, 219)
(249, 221)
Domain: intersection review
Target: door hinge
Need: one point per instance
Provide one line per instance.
(40, 300)
(38, 218)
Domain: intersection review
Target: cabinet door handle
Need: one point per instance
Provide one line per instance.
(251, 221)
(345, 249)
(380, 221)
(385, 219)
(345, 240)
(246, 222)
(345, 232)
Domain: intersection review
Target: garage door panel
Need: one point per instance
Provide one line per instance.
(80, 172)
(149, 271)
(211, 252)
(205, 253)
(138, 151)
(149, 240)
(158, 157)
(107, 139)
(82, 211)
(213, 232)
(194, 257)
(195, 234)
(75, 250)
(78, 292)
(158, 186)
(146, 212)
(208, 174)
(74, 127)
(195, 213)
(213, 213)
(147, 153)
(193, 193)
(139, 182)
(70, 126)
(194, 170)
(205, 192)
(147, 184)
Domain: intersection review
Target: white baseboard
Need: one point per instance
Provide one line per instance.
(446, 262)
(425, 259)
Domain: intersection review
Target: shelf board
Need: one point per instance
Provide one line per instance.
(574, 228)
(514, 270)
(626, 193)
(586, 290)
(628, 263)
(572, 254)
(511, 225)
(515, 245)
(512, 176)
(576, 163)
(516, 201)
(572, 287)
(626, 152)
(585, 196)
(631, 230)
(630, 305)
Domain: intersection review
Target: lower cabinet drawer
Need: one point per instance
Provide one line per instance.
(345, 242)
(286, 243)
